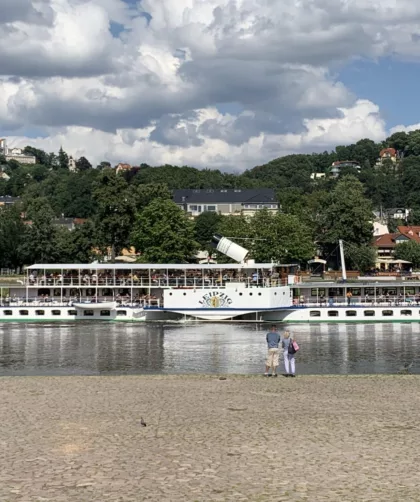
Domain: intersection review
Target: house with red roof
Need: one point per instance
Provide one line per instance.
(385, 244)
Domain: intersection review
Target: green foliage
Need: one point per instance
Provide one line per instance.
(409, 251)
(163, 233)
(12, 231)
(143, 195)
(280, 238)
(39, 237)
(76, 246)
(115, 211)
(63, 159)
(83, 164)
(206, 225)
(346, 214)
(360, 258)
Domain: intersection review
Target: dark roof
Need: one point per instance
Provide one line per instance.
(225, 196)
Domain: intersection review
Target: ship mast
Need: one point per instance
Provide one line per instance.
(343, 263)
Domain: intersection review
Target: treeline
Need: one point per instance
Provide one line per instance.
(114, 204)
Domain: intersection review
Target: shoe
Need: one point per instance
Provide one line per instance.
(293, 376)
(267, 375)
(285, 374)
(274, 374)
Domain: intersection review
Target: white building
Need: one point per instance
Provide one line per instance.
(72, 165)
(15, 154)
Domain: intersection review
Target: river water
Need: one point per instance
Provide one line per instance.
(119, 348)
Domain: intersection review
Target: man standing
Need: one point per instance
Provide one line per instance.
(273, 340)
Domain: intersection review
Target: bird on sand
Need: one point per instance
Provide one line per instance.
(142, 422)
(406, 368)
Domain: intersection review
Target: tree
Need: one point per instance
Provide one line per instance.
(360, 257)
(346, 214)
(63, 159)
(83, 164)
(409, 251)
(164, 234)
(206, 225)
(41, 156)
(280, 238)
(39, 238)
(11, 237)
(104, 164)
(115, 211)
(76, 246)
(143, 195)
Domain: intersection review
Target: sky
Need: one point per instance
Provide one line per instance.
(222, 84)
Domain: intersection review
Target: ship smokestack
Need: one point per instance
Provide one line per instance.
(229, 248)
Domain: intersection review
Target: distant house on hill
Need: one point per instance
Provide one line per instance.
(226, 201)
(338, 165)
(121, 167)
(387, 154)
(15, 154)
(7, 200)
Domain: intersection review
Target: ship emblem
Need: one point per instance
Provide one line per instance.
(215, 300)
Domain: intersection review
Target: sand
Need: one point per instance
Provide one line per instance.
(312, 438)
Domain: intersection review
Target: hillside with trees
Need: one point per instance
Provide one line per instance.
(119, 208)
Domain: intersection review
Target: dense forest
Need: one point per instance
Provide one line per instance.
(134, 208)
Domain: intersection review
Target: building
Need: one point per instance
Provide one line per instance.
(226, 201)
(394, 213)
(72, 165)
(385, 244)
(387, 154)
(317, 176)
(15, 154)
(339, 164)
(7, 200)
(121, 168)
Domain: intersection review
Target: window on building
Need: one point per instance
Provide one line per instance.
(211, 208)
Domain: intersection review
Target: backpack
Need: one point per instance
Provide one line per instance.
(293, 347)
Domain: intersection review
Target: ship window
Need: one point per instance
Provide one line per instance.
(185, 294)
(121, 312)
(410, 290)
(351, 313)
(72, 312)
(388, 313)
(406, 312)
(56, 312)
(240, 294)
(275, 294)
(40, 312)
(170, 294)
(259, 294)
(88, 312)
(370, 291)
(8, 312)
(314, 313)
(23, 312)
(369, 313)
(43, 292)
(333, 313)
(250, 294)
(105, 312)
(317, 292)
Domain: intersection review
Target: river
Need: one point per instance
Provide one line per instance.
(119, 348)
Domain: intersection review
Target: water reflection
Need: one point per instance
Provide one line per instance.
(115, 348)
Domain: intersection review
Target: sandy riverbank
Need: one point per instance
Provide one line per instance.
(243, 439)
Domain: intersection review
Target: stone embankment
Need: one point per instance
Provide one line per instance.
(241, 439)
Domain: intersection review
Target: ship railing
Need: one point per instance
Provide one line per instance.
(68, 302)
(393, 301)
(179, 282)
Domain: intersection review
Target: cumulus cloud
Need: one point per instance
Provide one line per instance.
(154, 81)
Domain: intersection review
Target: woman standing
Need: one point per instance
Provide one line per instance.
(289, 355)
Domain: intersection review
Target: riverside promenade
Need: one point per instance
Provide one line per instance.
(312, 438)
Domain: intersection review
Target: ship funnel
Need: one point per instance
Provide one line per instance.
(229, 248)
